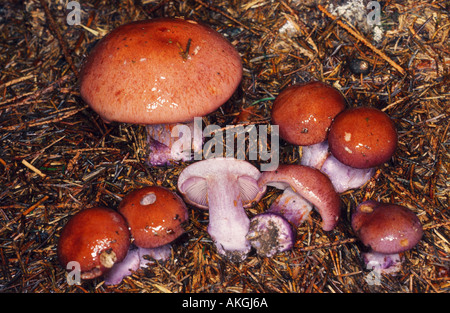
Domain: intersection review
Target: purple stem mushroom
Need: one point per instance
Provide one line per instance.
(305, 113)
(387, 230)
(342, 176)
(359, 140)
(160, 71)
(225, 186)
(303, 188)
(155, 217)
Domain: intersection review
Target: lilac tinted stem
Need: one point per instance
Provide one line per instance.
(343, 177)
(228, 221)
(168, 143)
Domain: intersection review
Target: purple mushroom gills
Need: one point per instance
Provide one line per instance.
(166, 143)
(387, 230)
(342, 176)
(225, 186)
(304, 188)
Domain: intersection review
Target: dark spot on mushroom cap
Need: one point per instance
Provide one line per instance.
(386, 228)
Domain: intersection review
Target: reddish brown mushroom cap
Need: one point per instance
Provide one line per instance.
(96, 238)
(160, 71)
(304, 112)
(155, 216)
(362, 137)
(386, 228)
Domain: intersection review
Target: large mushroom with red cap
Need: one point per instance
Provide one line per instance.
(224, 186)
(359, 140)
(386, 230)
(160, 71)
(304, 188)
(156, 217)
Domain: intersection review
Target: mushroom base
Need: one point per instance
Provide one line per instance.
(383, 263)
(274, 232)
(343, 177)
(167, 143)
(270, 234)
(136, 258)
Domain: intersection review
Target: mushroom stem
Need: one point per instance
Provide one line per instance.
(274, 232)
(343, 177)
(294, 208)
(383, 263)
(136, 258)
(228, 221)
(173, 142)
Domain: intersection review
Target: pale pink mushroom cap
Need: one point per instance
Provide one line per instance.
(160, 71)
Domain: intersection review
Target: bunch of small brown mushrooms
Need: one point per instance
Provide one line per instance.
(164, 72)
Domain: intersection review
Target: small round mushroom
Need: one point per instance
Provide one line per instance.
(362, 137)
(96, 238)
(155, 216)
(224, 186)
(304, 112)
(160, 71)
(303, 188)
(386, 230)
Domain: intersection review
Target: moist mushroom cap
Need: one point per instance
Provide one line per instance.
(160, 71)
(90, 235)
(304, 112)
(155, 216)
(386, 228)
(362, 137)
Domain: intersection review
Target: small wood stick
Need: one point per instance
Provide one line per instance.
(34, 169)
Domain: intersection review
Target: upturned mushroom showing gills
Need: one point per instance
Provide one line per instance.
(224, 186)
(96, 238)
(303, 188)
(160, 71)
(387, 230)
(155, 217)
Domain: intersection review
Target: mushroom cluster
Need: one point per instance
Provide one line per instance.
(113, 244)
(345, 144)
(164, 72)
